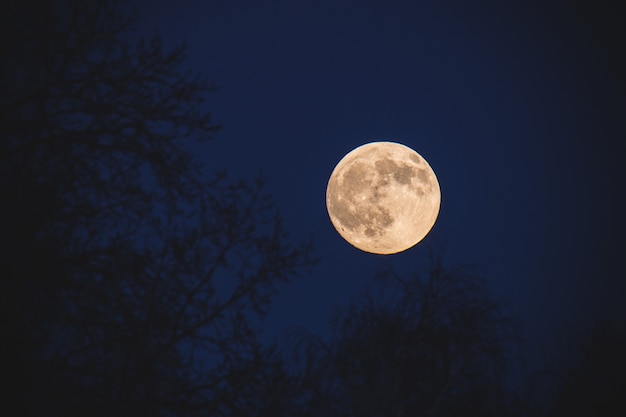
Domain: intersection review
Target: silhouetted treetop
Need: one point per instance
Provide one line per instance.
(134, 277)
(73, 80)
(430, 343)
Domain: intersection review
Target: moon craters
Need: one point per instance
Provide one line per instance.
(383, 197)
(354, 199)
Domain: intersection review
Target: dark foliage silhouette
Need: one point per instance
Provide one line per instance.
(431, 344)
(133, 278)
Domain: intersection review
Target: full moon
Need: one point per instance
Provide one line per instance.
(383, 197)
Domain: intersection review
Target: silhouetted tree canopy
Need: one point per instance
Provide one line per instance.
(434, 343)
(133, 277)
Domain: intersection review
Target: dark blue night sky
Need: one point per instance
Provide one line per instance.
(517, 107)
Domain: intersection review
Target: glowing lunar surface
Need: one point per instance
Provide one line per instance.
(383, 197)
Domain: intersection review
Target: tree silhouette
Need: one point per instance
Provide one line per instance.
(133, 278)
(432, 344)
